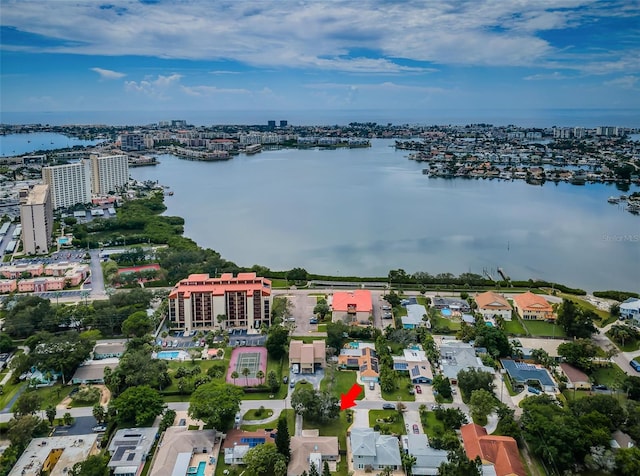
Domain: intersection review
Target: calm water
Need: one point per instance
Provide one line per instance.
(366, 211)
(16, 144)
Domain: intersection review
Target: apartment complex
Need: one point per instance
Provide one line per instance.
(108, 173)
(36, 217)
(69, 184)
(241, 302)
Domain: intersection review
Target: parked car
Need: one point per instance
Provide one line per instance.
(244, 342)
(313, 321)
(388, 406)
(600, 387)
(372, 385)
(534, 390)
(416, 429)
(99, 428)
(635, 365)
(285, 379)
(292, 384)
(418, 389)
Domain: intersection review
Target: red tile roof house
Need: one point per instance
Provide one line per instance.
(533, 307)
(500, 451)
(353, 307)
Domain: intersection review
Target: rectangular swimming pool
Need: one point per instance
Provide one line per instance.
(168, 354)
(199, 471)
(446, 312)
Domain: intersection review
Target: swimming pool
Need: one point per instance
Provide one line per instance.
(199, 471)
(172, 355)
(63, 240)
(489, 323)
(446, 312)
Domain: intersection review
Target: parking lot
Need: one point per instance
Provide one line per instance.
(240, 337)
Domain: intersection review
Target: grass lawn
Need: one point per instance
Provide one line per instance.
(8, 391)
(54, 395)
(431, 425)
(396, 426)
(322, 328)
(253, 414)
(278, 284)
(336, 427)
(514, 327)
(439, 321)
(401, 393)
(399, 311)
(629, 346)
(543, 329)
(610, 376)
(338, 382)
(291, 423)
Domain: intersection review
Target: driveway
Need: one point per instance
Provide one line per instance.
(313, 379)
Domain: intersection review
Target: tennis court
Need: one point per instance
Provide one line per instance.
(252, 358)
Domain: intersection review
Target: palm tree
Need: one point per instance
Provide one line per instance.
(260, 376)
(246, 373)
(234, 376)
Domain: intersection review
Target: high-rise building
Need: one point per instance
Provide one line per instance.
(109, 173)
(608, 131)
(36, 218)
(271, 124)
(284, 123)
(241, 302)
(132, 141)
(69, 184)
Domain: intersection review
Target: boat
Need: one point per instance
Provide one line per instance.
(623, 197)
(613, 200)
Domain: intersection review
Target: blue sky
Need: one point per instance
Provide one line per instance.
(336, 55)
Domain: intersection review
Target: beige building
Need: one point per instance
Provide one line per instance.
(181, 449)
(311, 448)
(108, 173)
(55, 455)
(36, 217)
(533, 307)
(241, 302)
(307, 356)
(69, 184)
(492, 305)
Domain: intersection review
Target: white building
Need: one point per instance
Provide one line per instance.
(36, 218)
(69, 184)
(109, 173)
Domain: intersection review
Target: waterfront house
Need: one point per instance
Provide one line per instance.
(352, 307)
(533, 307)
(492, 305)
(630, 309)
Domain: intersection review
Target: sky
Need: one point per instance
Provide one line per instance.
(199, 55)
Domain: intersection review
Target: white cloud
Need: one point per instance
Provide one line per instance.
(626, 82)
(108, 74)
(153, 87)
(320, 35)
(211, 90)
(546, 76)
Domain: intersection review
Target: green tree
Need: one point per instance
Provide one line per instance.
(408, 462)
(297, 275)
(474, 379)
(51, 414)
(260, 376)
(27, 404)
(234, 376)
(576, 321)
(168, 418)
(94, 465)
(579, 353)
(215, 404)
(493, 339)
(322, 309)
(316, 406)
(99, 413)
(628, 461)
(272, 381)
(392, 298)
(481, 404)
(245, 374)
(137, 324)
(21, 429)
(313, 470)
(459, 465)
(283, 440)
(67, 419)
(336, 332)
(6, 344)
(325, 469)
(277, 341)
(138, 406)
(442, 385)
(262, 459)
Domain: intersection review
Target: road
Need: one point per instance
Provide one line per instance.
(97, 279)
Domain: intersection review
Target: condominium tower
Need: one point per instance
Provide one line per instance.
(69, 184)
(36, 217)
(109, 173)
(241, 302)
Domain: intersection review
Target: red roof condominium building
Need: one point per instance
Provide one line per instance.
(244, 301)
(354, 307)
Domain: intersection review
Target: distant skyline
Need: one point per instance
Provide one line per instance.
(196, 55)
